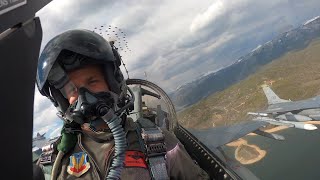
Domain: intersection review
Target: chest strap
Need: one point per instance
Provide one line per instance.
(155, 149)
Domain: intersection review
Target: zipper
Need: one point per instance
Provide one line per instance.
(95, 167)
(108, 161)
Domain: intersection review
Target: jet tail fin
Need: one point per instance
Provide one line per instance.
(271, 96)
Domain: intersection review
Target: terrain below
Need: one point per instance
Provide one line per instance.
(293, 76)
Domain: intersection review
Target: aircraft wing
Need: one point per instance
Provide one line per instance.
(294, 106)
(218, 136)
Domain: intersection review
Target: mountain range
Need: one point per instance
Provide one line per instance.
(246, 65)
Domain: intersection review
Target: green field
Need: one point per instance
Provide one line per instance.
(295, 76)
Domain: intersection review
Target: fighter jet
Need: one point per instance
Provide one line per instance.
(300, 111)
(39, 137)
(289, 113)
(279, 122)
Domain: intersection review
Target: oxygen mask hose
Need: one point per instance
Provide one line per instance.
(120, 141)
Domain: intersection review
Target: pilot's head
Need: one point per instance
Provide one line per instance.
(79, 61)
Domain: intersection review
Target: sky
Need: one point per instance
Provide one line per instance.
(171, 42)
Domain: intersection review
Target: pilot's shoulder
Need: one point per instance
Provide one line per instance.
(130, 124)
(170, 139)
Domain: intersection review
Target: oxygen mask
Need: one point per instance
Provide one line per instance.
(90, 106)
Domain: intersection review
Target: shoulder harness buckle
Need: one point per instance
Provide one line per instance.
(47, 155)
(155, 149)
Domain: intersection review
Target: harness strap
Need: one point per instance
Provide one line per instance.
(158, 168)
(155, 149)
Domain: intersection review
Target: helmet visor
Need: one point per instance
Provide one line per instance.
(57, 76)
(59, 79)
(69, 90)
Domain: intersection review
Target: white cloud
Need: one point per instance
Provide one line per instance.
(47, 116)
(211, 14)
(44, 114)
(40, 102)
(220, 40)
(42, 130)
(55, 132)
(52, 130)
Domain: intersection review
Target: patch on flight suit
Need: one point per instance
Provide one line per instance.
(78, 164)
(135, 159)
